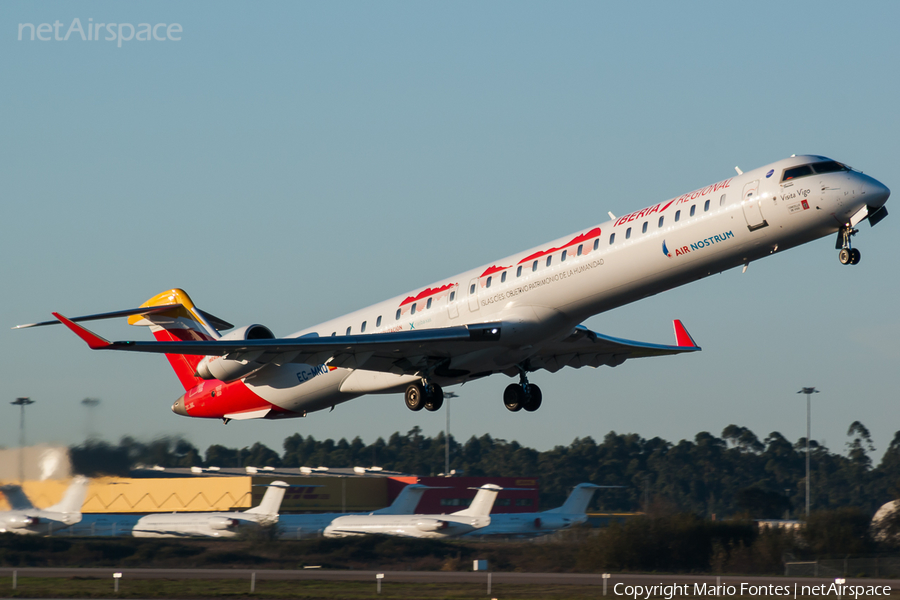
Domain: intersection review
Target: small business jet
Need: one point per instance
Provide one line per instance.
(517, 315)
(477, 515)
(572, 512)
(314, 524)
(213, 524)
(25, 519)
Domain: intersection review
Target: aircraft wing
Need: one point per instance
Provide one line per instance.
(398, 352)
(586, 348)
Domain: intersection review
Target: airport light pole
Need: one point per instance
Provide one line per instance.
(447, 396)
(22, 403)
(90, 404)
(809, 391)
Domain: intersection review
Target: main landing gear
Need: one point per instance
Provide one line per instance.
(848, 254)
(521, 395)
(429, 396)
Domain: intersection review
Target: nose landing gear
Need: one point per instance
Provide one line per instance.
(848, 255)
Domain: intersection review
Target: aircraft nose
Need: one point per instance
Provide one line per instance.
(876, 193)
(179, 409)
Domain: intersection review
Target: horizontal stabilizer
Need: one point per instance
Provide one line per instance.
(219, 324)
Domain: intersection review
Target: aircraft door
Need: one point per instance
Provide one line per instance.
(453, 302)
(473, 295)
(750, 203)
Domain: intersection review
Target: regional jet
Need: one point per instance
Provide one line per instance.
(25, 519)
(518, 315)
(476, 516)
(213, 524)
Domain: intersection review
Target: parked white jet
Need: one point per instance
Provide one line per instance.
(477, 515)
(516, 315)
(24, 518)
(572, 512)
(213, 524)
(313, 525)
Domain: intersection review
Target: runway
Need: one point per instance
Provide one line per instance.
(445, 577)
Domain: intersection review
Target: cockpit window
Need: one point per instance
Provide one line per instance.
(796, 172)
(831, 166)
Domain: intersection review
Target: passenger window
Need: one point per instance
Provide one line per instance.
(580, 248)
(549, 258)
(661, 219)
(534, 266)
(596, 243)
(677, 215)
(612, 239)
(348, 330)
(693, 210)
(519, 271)
(644, 228)
(722, 200)
(362, 329)
(452, 296)
(412, 311)
(628, 233)
(706, 206)
(471, 289)
(428, 304)
(562, 257)
(487, 283)
(399, 310)
(503, 277)
(378, 322)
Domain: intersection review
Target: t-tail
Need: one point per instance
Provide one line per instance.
(182, 322)
(406, 501)
(73, 499)
(271, 502)
(578, 500)
(483, 503)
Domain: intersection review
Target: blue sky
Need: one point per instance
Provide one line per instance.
(288, 162)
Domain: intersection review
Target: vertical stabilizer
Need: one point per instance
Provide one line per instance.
(73, 499)
(271, 502)
(16, 497)
(406, 502)
(183, 322)
(578, 500)
(483, 503)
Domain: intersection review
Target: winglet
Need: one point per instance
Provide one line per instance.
(94, 341)
(682, 337)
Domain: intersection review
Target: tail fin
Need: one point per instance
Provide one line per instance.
(271, 502)
(184, 322)
(578, 500)
(405, 503)
(73, 499)
(483, 503)
(16, 497)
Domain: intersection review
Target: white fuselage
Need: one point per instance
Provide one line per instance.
(208, 524)
(541, 294)
(419, 526)
(36, 521)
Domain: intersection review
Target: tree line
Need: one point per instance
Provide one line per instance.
(736, 474)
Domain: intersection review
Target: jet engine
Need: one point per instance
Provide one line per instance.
(551, 522)
(432, 525)
(229, 369)
(223, 523)
(21, 521)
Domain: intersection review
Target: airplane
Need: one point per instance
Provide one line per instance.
(475, 516)
(572, 512)
(516, 316)
(213, 524)
(25, 519)
(313, 525)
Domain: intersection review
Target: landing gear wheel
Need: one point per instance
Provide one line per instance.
(854, 256)
(434, 397)
(844, 256)
(513, 397)
(415, 397)
(534, 397)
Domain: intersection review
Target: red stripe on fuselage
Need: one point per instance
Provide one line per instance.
(427, 292)
(576, 240)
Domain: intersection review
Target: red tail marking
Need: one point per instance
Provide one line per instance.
(94, 341)
(682, 337)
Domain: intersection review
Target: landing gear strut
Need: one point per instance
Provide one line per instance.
(419, 395)
(521, 395)
(848, 254)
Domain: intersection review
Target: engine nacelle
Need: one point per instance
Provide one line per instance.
(432, 525)
(224, 369)
(550, 522)
(223, 523)
(21, 521)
